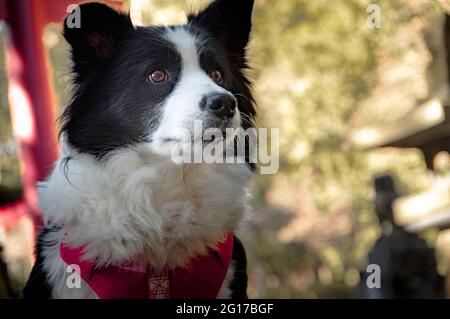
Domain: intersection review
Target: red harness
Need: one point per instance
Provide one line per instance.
(201, 279)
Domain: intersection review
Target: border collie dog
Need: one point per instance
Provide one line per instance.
(119, 212)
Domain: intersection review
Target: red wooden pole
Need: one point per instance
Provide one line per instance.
(30, 99)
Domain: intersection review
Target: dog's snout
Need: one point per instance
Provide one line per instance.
(220, 104)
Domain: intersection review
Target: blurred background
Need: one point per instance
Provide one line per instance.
(363, 112)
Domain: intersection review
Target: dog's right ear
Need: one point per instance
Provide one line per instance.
(93, 30)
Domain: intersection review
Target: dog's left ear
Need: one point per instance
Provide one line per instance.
(229, 21)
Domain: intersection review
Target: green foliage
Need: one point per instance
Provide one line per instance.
(315, 64)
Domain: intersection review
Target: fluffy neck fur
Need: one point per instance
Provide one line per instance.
(135, 205)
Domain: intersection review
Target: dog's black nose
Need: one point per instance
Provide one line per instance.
(222, 105)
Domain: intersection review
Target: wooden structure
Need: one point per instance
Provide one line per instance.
(427, 128)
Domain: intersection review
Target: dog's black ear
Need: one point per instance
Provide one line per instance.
(93, 30)
(230, 21)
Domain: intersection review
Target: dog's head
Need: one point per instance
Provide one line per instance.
(149, 85)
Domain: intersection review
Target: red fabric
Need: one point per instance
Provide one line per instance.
(200, 279)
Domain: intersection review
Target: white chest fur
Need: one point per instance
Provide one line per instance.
(138, 204)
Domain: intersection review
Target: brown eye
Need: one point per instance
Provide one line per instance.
(216, 76)
(158, 76)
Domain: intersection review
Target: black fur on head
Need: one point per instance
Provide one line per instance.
(229, 21)
(114, 105)
(99, 30)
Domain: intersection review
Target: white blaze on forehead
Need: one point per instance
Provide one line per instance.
(194, 82)
(182, 107)
(185, 42)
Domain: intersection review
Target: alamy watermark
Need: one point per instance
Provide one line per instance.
(374, 18)
(374, 279)
(73, 20)
(73, 280)
(259, 146)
